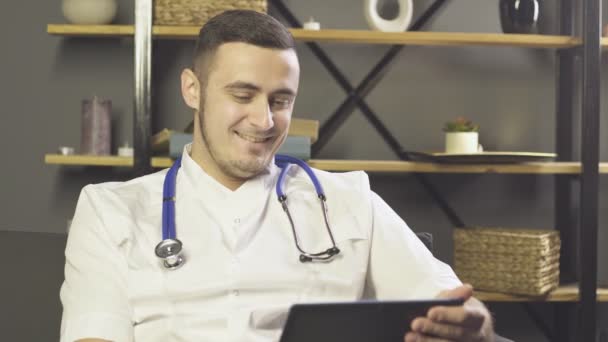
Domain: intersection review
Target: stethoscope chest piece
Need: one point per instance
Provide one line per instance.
(170, 251)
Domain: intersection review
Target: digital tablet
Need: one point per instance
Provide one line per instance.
(365, 321)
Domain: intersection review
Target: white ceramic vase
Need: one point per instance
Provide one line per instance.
(461, 142)
(399, 24)
(89, 12)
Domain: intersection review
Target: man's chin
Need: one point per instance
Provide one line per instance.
(250, 168)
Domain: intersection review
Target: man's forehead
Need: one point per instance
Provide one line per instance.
(250, 63)
(245, 52)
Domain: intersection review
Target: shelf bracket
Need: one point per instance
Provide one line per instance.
(589, 186)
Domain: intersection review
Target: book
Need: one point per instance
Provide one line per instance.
(297, 147)
(304, 128)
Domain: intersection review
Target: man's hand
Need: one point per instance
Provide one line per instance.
(470, 322)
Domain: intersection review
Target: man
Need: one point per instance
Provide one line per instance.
(242, 270)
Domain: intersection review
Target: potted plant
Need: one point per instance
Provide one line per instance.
(461, 136)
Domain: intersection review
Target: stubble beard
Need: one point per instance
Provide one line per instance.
(239, 169)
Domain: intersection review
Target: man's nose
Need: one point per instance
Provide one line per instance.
(261, 116)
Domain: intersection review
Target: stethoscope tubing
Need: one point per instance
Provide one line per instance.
(168, 212)
(170, 247)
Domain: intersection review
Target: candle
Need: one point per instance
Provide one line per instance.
(96, 129)
(125, 150)
(311, 24)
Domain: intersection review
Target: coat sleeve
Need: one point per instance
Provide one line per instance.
(400, 266)
(94, 292)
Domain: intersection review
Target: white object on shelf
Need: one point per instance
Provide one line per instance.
(125, 150)
(89, 12)
(66, 150)
(462, 142)
(399, 24)
(311, 24)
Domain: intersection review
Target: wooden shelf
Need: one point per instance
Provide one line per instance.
(86, 160)
(436, 38)
(566, 293)
(376, 166)
(389, 166)
(109, 31)
(340, 36)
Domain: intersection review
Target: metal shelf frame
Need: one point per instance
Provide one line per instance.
(589, 185)
(585, 270)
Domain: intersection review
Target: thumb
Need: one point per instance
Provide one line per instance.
(465, 292)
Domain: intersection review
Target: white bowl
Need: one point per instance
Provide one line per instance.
(89, 12)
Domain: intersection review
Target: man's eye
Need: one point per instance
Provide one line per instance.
(242, 97)
(281, 103)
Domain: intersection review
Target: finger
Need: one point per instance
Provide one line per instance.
(428, 327)
(464, 291)
(416, 337)
(468, 317)
(410, 337)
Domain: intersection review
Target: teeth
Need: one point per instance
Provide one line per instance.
(251, 139)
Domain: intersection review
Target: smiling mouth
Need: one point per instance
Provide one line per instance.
(253, 139)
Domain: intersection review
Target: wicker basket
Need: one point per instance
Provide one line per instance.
(197, 12)
(517, 261)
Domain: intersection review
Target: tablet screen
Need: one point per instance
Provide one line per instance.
(365, 321)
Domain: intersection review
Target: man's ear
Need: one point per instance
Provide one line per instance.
(191, 89)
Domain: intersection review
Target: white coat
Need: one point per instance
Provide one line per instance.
(242, 270)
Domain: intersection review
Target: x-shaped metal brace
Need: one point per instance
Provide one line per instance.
(356, 95)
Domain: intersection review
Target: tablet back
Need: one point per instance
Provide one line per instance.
(368, 321)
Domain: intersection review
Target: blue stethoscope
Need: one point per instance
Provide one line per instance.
(170, 248)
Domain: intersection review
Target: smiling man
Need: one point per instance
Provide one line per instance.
(243, 96)
(244, 260)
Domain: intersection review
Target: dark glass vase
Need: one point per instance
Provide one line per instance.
(519, 16)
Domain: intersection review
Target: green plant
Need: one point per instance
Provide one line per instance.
(460, 124)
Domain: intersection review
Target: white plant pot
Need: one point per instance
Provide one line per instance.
(89, 12)
(461, 142)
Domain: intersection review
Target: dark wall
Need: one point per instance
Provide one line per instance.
(32, 276)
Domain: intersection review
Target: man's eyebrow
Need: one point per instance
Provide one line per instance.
(240, 85)
(284, 91)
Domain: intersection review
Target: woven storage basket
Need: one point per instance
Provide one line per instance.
(197, 12)
(517, 261)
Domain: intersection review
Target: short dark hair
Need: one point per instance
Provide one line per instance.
(244, 26)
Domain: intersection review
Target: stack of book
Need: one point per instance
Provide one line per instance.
(302, 133)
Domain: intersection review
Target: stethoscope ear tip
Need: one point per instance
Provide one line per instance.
(304, 258)
(325, 256)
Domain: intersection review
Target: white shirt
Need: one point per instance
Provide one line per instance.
(242, 271)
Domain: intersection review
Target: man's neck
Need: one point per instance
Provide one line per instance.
(201, 157)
